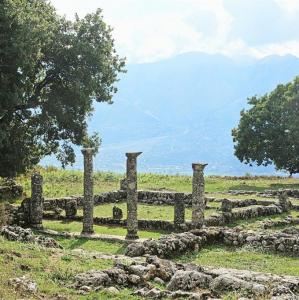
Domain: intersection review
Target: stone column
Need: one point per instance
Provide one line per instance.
(283, 200)
(179, 211)
(132, 195)
(88, 191)
(36, 202)
(198, 195)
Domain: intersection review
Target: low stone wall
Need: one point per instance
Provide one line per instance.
(18, 214)
(252, 212)
(175, 244)
(161, 225)
(276, 242)
(235, 203)
(294, 193)
(145, 197)
(285, 222)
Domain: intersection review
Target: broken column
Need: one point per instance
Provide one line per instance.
(36, 201)
(88, 191)
(283, 200)
(179, 211)
(132, 195)
(70, 209)
(198, 195)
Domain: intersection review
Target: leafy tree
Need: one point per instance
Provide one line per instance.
(268, 132)
(51, 71)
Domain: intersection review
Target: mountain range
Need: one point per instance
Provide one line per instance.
(182, 110)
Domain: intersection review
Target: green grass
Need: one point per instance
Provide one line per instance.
(146, 212)
(218, 256)
(58, 183)
(53, 271)
(77, 227)
(91, 245)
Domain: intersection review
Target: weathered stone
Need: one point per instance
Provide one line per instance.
(226, 205)
(283, 200)
(112, 290)
(225, 283)
(36, 203)
(88, 191)
(179, 211)
(189, 280)
(198, 198)
(117, 213)
(132, 196)
(123, 184)
(135, 249)
(23, 284)
(16, 233)
(71, 209)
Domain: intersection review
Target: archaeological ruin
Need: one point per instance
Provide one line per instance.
(151, 258)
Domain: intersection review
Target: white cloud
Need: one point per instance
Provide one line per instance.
(289, 6)
(150, 30)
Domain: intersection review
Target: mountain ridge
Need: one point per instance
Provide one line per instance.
(182, 110)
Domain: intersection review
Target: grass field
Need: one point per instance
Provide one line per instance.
(145, 211)
(54, 271)
(77, 227)
(65, 182)
(219, 256)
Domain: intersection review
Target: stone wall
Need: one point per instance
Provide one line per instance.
(145, 197)
(267, 193)
(18, 214)
(174, 244)
(275, 242)
(161, 225)
(234, 203)
(252, 212)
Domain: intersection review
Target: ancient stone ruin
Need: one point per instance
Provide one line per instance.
(150, 258)
(88, 191)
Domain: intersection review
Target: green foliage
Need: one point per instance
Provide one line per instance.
(51, 71)
(268, 132)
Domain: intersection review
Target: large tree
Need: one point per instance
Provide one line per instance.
(51, 71)
(268, 132)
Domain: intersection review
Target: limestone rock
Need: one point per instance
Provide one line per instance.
(16, 233)
(135, 249)
(224, 283)
(189, 280)
(23, 284)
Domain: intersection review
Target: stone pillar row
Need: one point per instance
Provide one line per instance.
(198, 197)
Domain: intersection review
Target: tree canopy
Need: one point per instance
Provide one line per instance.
(51, 71)
(268, 132)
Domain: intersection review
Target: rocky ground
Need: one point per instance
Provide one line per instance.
(147, 274)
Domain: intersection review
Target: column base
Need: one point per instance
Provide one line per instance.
(87, 232)
(132, 236)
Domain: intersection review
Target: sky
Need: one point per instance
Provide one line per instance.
(152, 30)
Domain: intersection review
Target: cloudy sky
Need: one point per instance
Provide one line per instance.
(151, 30)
